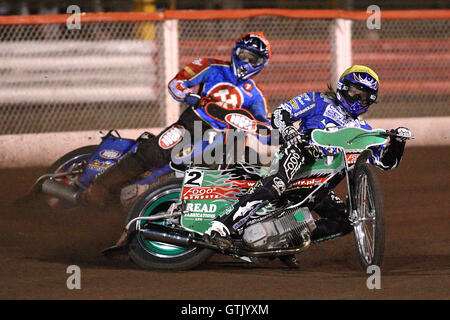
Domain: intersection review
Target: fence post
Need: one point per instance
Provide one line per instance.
(171, 57)
(341, 47)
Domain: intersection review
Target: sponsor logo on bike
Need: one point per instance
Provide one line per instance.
(98, 165)
(241, 122)
(200, 193)
(352, 157)
(171, 137)
(242, 183)
(201, 208)
(309, 182)
(110, 154)
(199, 215)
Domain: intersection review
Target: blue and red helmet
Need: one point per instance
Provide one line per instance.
(357, 89)
(250, 53)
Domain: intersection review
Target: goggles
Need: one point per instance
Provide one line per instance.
(358, 94)
(247, 56)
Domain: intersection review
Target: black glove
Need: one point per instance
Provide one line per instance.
(394, 150)
(291, 136)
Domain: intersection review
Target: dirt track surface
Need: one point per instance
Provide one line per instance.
(37, 246)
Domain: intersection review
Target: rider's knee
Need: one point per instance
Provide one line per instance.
(151, 155)
(274, 186)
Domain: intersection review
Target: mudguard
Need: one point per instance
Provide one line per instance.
(111, 150)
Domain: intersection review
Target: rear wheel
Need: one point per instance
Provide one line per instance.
(368, 216)
(157, 255)
(74, 157)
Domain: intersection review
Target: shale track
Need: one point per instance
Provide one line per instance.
(37, 246)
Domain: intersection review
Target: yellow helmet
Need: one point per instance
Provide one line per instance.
(362, 78)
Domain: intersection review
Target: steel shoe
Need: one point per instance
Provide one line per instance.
(290, 261)
(218, 234)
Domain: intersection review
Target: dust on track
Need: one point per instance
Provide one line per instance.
(37, 245)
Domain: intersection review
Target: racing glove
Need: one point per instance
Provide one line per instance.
(393, 153)
(405, 134)
(291, 136)
(196, 101)
(192, 99)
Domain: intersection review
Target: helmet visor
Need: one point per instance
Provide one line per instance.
(247, 56)
(359, 95)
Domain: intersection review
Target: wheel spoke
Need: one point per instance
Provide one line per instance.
(368, 242)
(366, 215)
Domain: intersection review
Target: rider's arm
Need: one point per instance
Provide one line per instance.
(193, 74)
(281, 118)
(389, 156)
(294, 110)
(260, 110)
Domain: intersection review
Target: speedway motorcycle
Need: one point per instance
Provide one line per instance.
(64, 180)
(165, 225)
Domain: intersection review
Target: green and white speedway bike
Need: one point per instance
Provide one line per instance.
(165, 225)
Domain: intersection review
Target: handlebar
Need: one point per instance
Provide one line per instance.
(391, 133)
(387, 133)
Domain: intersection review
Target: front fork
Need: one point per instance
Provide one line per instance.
(362, 158)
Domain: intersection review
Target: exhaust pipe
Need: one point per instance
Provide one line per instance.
(167, 235)
(183, 239)
(61, 190)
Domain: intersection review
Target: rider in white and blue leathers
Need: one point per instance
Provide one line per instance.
(357, 89)
(318, 110)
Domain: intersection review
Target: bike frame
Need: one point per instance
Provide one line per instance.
(337, 161)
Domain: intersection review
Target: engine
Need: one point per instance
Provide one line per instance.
(289, 229)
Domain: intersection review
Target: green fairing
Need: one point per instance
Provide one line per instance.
(200, 220)
(348, 138)
(208, 209)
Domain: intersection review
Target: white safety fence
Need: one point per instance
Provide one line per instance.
(60, 86)
(42, 149)
(78, 72)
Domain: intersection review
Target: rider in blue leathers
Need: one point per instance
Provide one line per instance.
(357, 89)
(228, 84)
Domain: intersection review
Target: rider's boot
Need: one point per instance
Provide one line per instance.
(106, 186)
(219, 234)
(333, 220)
(286, 164)
(327, 228)
(226, 226)
(290, 260)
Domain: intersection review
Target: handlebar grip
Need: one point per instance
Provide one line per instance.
(389, 133)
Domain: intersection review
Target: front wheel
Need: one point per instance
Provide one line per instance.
(156, 255)
(368, 216)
